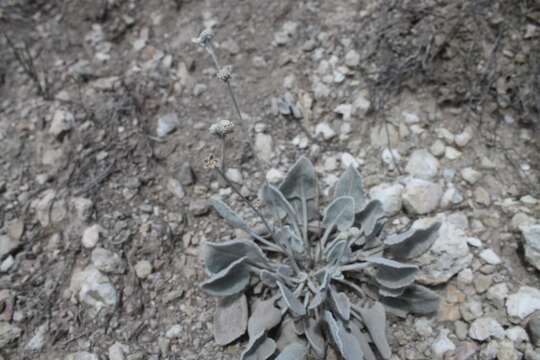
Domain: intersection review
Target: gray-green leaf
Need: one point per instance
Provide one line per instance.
(229, 281)
(275, 199)
(412, 243)
(217, 256)
(341, 304)
(294, 351)
(260, 347)
(228, 214)
(300, 187)
(294, 305)
(415, 299)
(264, 318)
(350, 184)
(315, 336)
(363, 342)
(340, 213)
(374, 319)
(368, 217)
(392, 274)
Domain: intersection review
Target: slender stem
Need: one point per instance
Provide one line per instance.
(233, 187)
(223, 143)
(275, 247)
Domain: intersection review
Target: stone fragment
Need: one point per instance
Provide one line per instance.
(167, 124)
(90, 236)
(9, 334)
(143, 269)
(422, 165)
(421, 196)
(486, 328)
(108, 261)
(523, 303)
(264, 146)
(531, 243)
(390, 197)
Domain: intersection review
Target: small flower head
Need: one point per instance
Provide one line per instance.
(204, 38)
(222, 128)
(210, 162)
(225, 73)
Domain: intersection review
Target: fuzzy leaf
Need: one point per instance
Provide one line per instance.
(217, 256)
(415, 299)
(230, 319)
(268, 278)
(341, 304)
(412, 243)
(338, 252)
(392, 274)
(383, 291)
(294, 351)
(315, 337)
(374, 319)
(229, 214)
(363, 342)
(275, 199)
(368, 217)
(317, 300)
(355, 267)
(296, 307)
(289, 240)
(350, 184)
(260, 347)
(340, 213)
(229, 281)
(352, 348)
(264, 318)
(301, 190)
(335, 330)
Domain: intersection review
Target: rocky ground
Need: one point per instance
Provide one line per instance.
(103, 189)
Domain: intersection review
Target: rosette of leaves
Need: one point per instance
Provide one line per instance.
(331, 276)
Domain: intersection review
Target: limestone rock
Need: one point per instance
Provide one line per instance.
(531, 238)
(93, 288)
(8, 334)
(389, 195)
(422, 164)
(485, 328)
(421, 196)
(523, 303)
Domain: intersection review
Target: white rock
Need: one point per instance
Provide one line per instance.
(474, 242)
(390, 197)
(83, 208)
(391, 157)
(362, 103)
(521, 219)
(345, 110)
(438, 148)
(485, 328)
(81, 355)
(451, 153)
(274, 176)
(463, 138)
(167, 124)
(380, 137)
(264, 146)
(234, 175)
(90, 236)
(7, 264)
(497, 294)
(174, 332)
(49, 209)
(531, 239)
(523, 303)
(143, 269)
(517, 334)
(325, 131)
(423, 327)
(348, 160)
(410, 117)
(39, 339)
(118, 351)
(352, 59)
(108, 261)
(93, 288)
(421, 196)
(446, 135)
(441, 345)
(176, 188)
(490, 257)
(422, 164)
(448, 256)
(471, 175)
(62, 122)
(451, 197)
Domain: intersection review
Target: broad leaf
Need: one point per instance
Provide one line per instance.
(392, 274)
(264, 318)
(334, 329)
(383, 291)
(315, 337)
(230, 319)
(275, 199)
(317, 300)
(269, 278)
(369, 216)
(294, 305)
(294, 351)
(229, 281)
(374, 319)
(363, 341)
(340, 302)
(350, 184)
(260, 347)
(229, 214)
(217, 256)
(340, 214)
(338, 252)
(415, 299)
(352, 348)
(300, 188)
(412, 243)
(289, 240)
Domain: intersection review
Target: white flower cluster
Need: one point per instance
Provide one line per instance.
(222, 128)
(225, 73)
